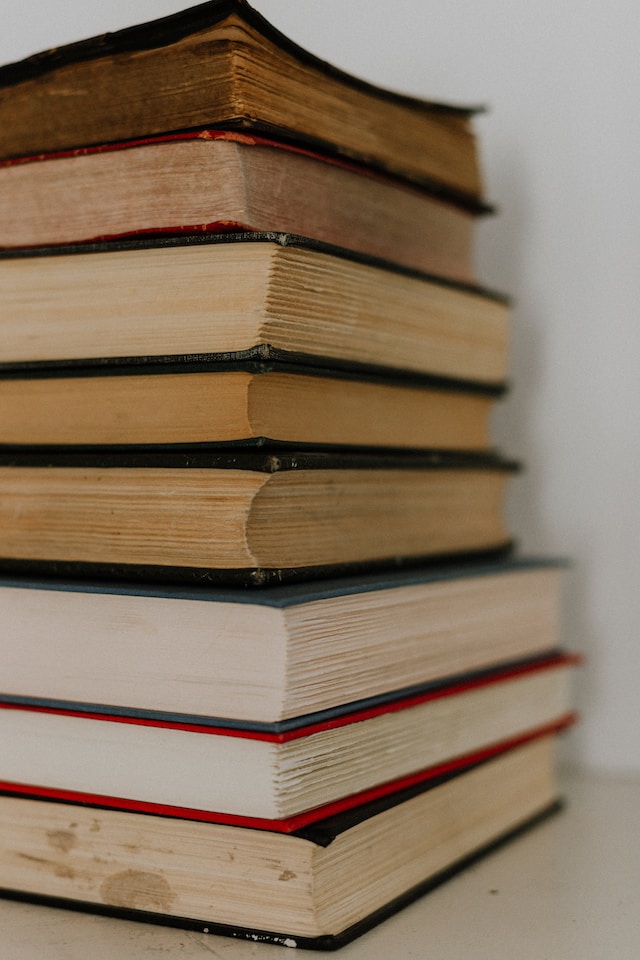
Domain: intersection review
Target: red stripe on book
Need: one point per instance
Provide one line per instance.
(216, 226)
(297, 822)
(247, 139)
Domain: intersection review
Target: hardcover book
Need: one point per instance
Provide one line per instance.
(249, 403)
(215, 180)
(264, 656)
(246, 297)
(244, 516)
(317, 888)
(221, 64)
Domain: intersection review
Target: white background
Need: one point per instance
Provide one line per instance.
(561, 148)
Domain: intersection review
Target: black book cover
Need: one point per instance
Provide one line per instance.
(295, 594)
(263, 356)
(232, 459)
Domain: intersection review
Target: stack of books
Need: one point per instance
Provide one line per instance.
(270, 668)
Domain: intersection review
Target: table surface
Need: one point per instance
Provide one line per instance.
(569, 888)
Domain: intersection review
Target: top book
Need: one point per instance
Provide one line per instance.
(222, 64)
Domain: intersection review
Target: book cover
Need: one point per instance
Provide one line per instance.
(270, 404)
(151, 868)
(243, 516)
(117, 303)
(273, 654)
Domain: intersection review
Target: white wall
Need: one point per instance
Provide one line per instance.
(561, 147)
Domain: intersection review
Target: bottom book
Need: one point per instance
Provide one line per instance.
(317, 888)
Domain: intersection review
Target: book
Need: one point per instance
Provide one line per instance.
(257, 404)
(290, 774)
(246, 296)
(317, 888)
(270, 655)
(213, 180)
(221, 64)
(243, 515)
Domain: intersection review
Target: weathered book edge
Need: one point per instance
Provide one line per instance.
(282, 939)
(166, 30)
